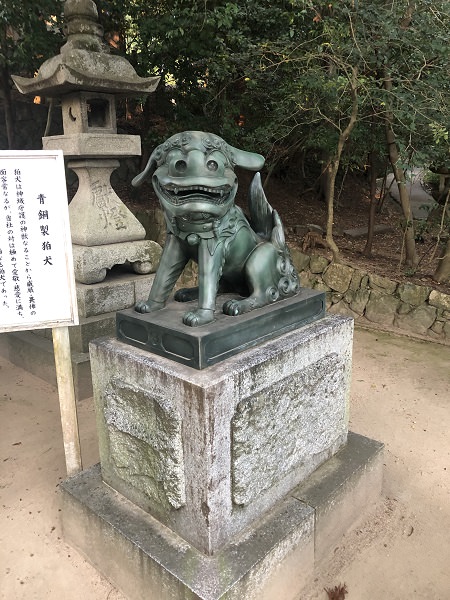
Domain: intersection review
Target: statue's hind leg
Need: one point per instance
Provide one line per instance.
(261, 275)
(186, 294)
(270, 277)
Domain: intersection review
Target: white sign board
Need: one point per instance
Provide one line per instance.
(37, 284)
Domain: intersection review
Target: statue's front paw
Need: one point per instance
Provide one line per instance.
(198, 317)
(147, 307)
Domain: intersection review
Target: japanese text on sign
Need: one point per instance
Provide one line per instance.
(37, 287)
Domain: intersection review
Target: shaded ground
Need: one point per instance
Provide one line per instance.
(400, 395)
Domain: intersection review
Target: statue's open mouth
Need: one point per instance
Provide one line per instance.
(177, 194)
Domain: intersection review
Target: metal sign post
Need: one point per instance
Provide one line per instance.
(37, 284)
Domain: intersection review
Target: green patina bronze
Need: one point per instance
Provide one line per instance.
(193, 176)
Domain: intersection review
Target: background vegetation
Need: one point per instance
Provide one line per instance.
(321, 89)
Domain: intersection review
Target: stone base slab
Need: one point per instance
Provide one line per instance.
(274, 559)
(91, 263)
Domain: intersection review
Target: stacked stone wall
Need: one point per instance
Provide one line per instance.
(377, 301)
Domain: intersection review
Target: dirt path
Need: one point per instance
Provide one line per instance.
(400, 395)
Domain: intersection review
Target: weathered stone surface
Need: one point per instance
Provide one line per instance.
(446, 329)
(382, 283)
(439, 299)
(272, 561)
(307, 279)
(299, 259)
(413, 294)
(419, 320)
(318, 264)
(352, 478)
(277, 429)
(97, 214)
(404, 308)
(433, 335)
(320, 286)
(349, 295)
(381, 309)
(357, 276)
(154, 224)
(438, 327)
(364, 281)
(338, 277)
(336, 297)
(359, 301)
(91, 328)
(145, 444)
(94, 145)
(189, 276)
(149, 562)
(342, 308)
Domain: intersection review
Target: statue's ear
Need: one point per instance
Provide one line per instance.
(147, 172)
(247, 160)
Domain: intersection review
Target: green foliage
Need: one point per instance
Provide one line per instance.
(286, 66)
(29, 34)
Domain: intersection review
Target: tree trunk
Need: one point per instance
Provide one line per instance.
(373, 205)
(400, 179)
(442, 274)
(333, 165)
(331, 172)
(9, 114)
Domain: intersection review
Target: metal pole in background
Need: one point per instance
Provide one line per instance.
(67, 404)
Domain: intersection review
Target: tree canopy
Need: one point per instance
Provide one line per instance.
(331, 85)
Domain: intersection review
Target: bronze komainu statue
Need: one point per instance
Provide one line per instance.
(194, 179)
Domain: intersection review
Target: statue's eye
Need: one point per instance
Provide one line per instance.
(212, 165)
(181, 166)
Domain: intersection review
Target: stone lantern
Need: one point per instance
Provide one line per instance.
(88, 78)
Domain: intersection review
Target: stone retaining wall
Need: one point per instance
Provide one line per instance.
(376, 300)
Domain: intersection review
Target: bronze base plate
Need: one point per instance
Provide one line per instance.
(164, 333)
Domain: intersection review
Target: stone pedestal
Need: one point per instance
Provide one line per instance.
(207, 453)
(228, 483)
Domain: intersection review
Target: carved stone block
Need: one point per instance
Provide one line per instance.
(284, 425)
(145, 446)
